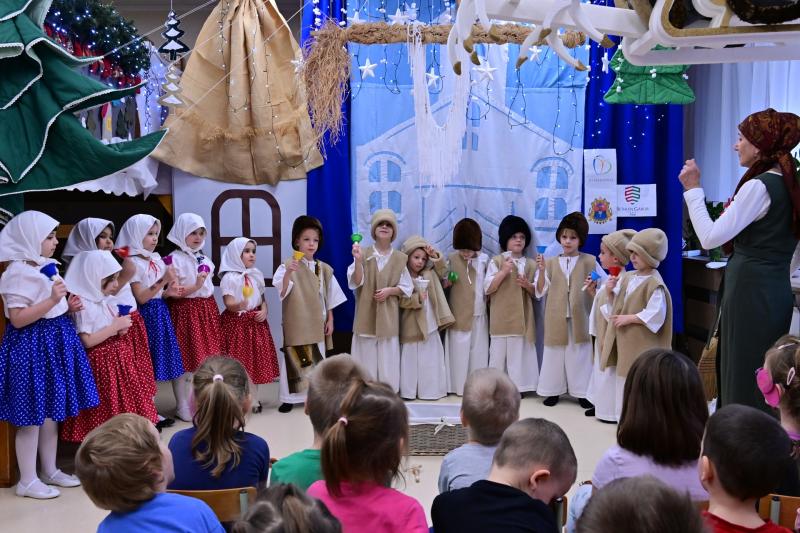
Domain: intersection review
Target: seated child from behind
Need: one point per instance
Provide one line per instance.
(490, 405)
(287, 508)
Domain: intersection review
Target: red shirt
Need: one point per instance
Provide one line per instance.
(722, 526)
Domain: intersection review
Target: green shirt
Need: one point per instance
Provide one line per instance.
(301, 468)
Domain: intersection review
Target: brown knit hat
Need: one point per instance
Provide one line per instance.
(651, 245)
(412, 243)
(384, 215)
(510, 226)
(467, 235)
(304, 222)
(617, 243)
(576, 222)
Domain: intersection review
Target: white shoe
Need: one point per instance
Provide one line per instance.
(61, 479)
(184, 414)
(37, 490)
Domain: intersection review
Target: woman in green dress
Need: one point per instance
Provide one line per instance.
(761, 228)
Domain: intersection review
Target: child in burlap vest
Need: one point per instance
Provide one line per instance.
(639, 309)
(509, 287)
(422, 315)
(378, 276)
(602, 391)
(308, 291)
(466, 345)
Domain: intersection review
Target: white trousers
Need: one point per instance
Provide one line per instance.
(620, 383)
(380, 358)
(517, 357)
(284, 395)
(465, 351)
(602, 391)
(422, 369)
(566, 368)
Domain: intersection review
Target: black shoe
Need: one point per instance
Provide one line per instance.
(606, 421)
(586, 404)
(285, 407)
(589, 412)
(166, 423)
(550, 401)
(257, 408)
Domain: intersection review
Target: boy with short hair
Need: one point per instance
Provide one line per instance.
(746, 453)
(534, 464)
(327, 385)
(490, 405)
(125, 468)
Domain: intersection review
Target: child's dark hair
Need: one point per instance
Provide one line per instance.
(536, 441)
(287, 509)
(639, 504)
(119, 463)
(664, 409)
(780, 361)
(327, 385)
(221, 385)
(365, 444)
(749, 449)
(490, 405)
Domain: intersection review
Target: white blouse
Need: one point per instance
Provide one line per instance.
(492, 269)
(232, 284)
(124, 296)
(186, 267)
(95, 316)
(655, 312)
(329, 297)
(567, 266)
(22, 285)
(405, 284)
(148, 273)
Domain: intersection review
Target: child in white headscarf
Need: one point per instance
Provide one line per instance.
(153, 281)
(194, 311)
(244, 321)
(45, 375)
(103, 327)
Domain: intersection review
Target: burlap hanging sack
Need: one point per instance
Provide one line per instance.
(707, 365)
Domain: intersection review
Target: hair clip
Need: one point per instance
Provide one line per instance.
(782, 346)
(218, 377)
(790, 376)
(343, 420)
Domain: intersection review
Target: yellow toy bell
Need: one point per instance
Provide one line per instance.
(298, 255)
(247, 291)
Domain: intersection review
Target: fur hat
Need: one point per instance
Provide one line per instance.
(304, 222)
(577, 223)
(412, 243)
(384, 215)
(509, 226)
(467, 235)
(617, 243)
(651, 245)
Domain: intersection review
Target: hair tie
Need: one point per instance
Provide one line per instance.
(790, 376)
(218, 377)
(343, 420)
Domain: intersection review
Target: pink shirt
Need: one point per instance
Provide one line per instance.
(372, 509)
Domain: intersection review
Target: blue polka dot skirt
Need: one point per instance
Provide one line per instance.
(164, 349)
(44, 373)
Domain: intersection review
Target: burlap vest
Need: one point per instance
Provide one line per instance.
(462, 293)
(511, 307)
(580, 303)
(303, 319)
(600, 322)
(378, 319)
(621, 346)
(413, 320)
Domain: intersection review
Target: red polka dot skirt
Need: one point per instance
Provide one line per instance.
(196, 322)
(250, 343)
(141, 349)
(116, 372)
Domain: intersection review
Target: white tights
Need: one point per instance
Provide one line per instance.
(182, 387)
(29, 439)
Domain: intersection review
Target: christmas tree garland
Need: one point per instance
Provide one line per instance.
(89, 28)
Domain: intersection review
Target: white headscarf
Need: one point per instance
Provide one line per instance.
(83, 236)
(184, 225)
(21, 239)
(232, 260)
(133, 233)
(86, 273)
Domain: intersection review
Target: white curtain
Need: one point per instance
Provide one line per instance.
(725, 95)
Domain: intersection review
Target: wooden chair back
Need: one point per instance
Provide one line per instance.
(559, 507)
(782, 510)
(228, 504)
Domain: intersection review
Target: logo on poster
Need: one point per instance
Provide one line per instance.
(601, 165)
(632, 194)
(600, 211)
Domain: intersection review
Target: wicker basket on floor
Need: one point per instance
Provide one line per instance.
(424, 440)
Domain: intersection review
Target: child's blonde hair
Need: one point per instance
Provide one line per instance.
(780, 360)
(221, 386)
(327, 385)
(490, 405)
(119, 463)
(364, 445)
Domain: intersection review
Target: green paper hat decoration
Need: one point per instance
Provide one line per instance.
(663, 84)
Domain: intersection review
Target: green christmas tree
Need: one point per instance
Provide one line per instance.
(663, 84)
(43, 146)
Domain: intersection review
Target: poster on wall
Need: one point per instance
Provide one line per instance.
(600, 186)
(263, 213)
(636, 200)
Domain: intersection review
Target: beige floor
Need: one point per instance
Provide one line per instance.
(286, 433)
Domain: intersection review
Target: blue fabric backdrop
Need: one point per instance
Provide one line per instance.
(649, 143)
(329, 185)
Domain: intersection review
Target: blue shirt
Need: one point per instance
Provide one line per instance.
(251, 471)
(164, 513)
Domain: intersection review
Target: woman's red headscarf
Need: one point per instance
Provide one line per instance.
(775, 134)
